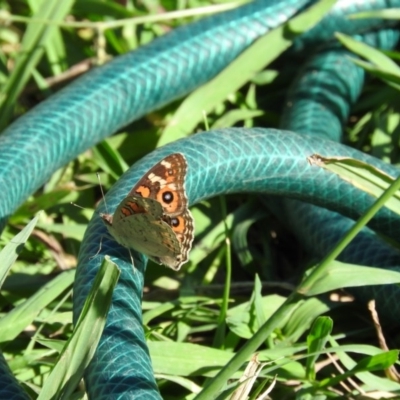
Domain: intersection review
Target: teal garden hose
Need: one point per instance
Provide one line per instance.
(227, 161)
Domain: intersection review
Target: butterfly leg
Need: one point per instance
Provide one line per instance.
(133, 264)
(100, 245)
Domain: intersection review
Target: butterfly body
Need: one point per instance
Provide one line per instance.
(154, 219)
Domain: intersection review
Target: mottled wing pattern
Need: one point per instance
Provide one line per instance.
(137, 224)
(165, 183)
(154, 218)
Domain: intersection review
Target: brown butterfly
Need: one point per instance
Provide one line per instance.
(154, 218)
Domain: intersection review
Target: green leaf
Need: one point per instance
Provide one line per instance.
(316, 340)
(361, 175)
(303, 315)
(11, 251)
(109, 160)
(252, 60)
(371, 380)
(241, 321)
(82, 344)
(53, 344)
(377, 362)
(256, 309)
(43, 202)
(55, 49)
(13, 323)
(32, 48)
(215, 234)
(379, 64)
(369, 53)
(391, 13)
(233, 117)
(340, 275)
(171, 358)
(67, 230)
(240, 237)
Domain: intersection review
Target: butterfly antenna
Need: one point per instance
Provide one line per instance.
(102, 191)
(77, 205)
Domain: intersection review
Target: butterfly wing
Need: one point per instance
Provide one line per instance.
(137, 224)
(137, 205)
(183, 228)
(165, 183)
(154, 218)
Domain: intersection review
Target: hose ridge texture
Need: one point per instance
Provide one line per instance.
(249, 160)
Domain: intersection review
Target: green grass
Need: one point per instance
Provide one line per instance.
(244, 266)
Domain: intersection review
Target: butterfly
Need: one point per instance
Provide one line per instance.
(154, 218)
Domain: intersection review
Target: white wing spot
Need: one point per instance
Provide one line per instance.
(166, 164)
(154, 178)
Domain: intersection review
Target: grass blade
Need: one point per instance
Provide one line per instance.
(82, 344)
(316, 340)
(13, 323)
(30, 53)
(241, 70)
(361, 175)
(12, 250)
(340, 275)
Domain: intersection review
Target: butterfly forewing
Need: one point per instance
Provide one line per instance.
(134, 205)
(137, 225)
(165, 183)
